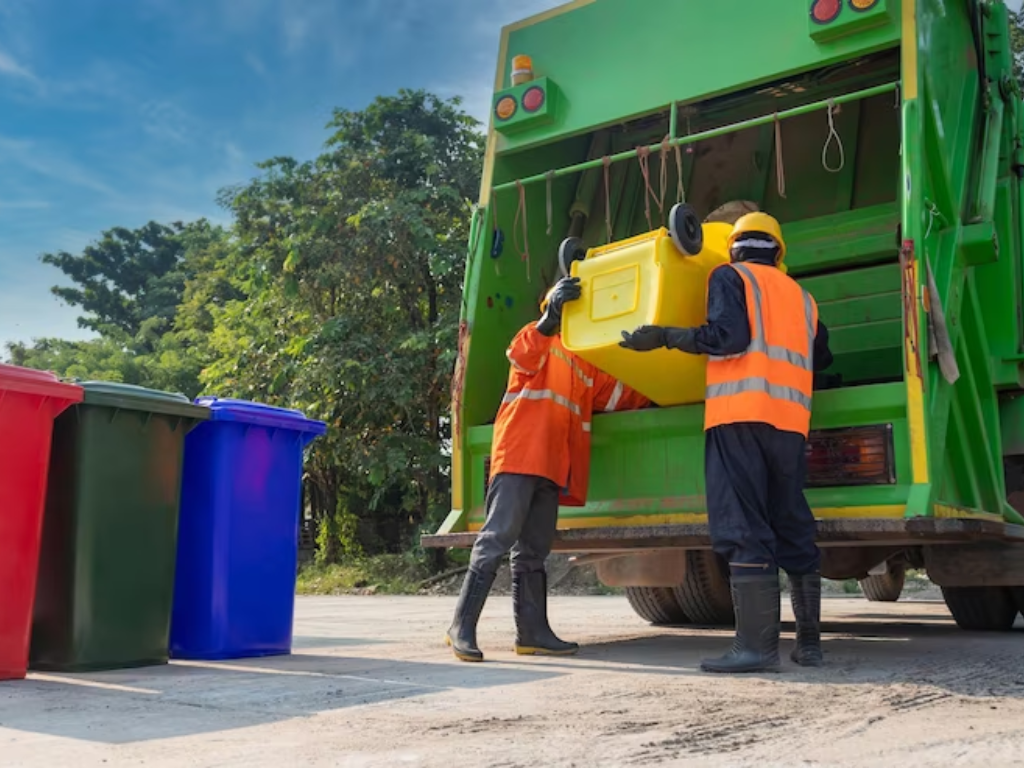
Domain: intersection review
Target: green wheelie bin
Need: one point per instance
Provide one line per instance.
(106, 570)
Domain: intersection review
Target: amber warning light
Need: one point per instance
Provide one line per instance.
(851, 456)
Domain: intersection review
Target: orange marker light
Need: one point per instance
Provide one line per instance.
(863, 5)
(505, 108)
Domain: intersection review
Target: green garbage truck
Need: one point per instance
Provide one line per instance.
(888, 138)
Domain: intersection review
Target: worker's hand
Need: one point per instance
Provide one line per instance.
(644, 339)
(566, 289)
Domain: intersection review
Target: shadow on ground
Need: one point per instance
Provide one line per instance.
(188, 698)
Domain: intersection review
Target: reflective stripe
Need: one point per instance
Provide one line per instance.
(586, 426)
(812, 329)
(572, 364)
(518, 367)
(757, 342)
(542, 394)
(613, 401)
(758, 384)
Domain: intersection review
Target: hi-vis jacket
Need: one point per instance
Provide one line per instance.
(772, 380)
(543, 425)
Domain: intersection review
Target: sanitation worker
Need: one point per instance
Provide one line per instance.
(764, 341)
(540, 456)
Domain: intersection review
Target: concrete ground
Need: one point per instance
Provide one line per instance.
(370, 684)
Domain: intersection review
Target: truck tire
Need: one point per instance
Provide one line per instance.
(1018, 598)
(887, 587)
(981, 609)
(656, 605)
(704, 594)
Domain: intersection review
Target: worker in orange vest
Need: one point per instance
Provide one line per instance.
(764, 341)
(540, 457)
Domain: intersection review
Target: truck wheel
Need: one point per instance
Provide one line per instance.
(1018, 598)
(704, 594)
(982, 609)
(887, 587)
(656, 604)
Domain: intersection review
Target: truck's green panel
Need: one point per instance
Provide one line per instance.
(927, 187)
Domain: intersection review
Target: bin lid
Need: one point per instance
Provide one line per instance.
(247, 412)
(135, 398)
(14, 378)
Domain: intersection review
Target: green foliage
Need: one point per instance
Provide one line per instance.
(1017, 44)
(382, 574)
(335, 291)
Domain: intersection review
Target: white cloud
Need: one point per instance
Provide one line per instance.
(23, 205)
(45, 162)
(10, 67)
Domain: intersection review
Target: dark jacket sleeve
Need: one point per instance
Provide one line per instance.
(822, 354)
(727, 331)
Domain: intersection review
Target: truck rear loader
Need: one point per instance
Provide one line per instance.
(888, 138)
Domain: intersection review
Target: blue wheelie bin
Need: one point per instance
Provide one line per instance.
(234, 591)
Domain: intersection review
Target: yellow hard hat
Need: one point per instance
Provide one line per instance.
(759, 222)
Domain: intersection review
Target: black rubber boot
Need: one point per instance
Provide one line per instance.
(756, 645)
(806, 597)
(533, 633)
(462, 633)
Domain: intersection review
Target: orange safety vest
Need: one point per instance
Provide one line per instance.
(772, 380)
(543, 424)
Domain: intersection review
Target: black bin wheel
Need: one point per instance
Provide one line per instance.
(685, 228)
(569, 251)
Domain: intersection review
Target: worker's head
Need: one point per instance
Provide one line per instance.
(757, 237)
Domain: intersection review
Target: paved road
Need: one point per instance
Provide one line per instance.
(371, 685)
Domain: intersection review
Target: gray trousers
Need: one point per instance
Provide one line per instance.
(522, 514)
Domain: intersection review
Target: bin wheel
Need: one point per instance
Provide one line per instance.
(569, 251)
(705, 595)
(656, 605)
(887, 587)
(982, 609)
(685, 228)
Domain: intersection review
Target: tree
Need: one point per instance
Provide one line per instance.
(1017, 45)
(353, 283)
(130, 282)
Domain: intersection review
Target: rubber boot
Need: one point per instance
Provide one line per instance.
(806, 597)
(533, 633)
(756, 645)
(462, 633)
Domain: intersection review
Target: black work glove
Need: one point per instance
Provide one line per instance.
(644, 339)
(566, 289)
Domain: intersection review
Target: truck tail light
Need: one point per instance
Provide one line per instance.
(851, 456)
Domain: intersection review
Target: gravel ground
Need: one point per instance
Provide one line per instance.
(370, 684)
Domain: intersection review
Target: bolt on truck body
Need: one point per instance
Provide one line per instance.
(888, 138)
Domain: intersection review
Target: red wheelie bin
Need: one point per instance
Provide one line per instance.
(29, 403)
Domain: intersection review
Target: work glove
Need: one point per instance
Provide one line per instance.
(566, 289)
(644, 339)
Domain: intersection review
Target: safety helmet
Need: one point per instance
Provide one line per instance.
(760, 223)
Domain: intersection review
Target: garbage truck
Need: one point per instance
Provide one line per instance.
(887, 136)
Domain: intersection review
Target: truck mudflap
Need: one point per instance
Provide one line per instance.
(914, 531)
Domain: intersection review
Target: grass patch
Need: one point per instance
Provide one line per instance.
(380, 575)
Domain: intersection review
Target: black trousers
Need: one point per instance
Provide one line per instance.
(757, 513)
(522, 516)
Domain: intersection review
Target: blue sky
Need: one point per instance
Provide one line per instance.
(115, 112)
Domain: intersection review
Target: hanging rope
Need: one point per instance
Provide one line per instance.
(524, 248)
(780, 165)
(680, 191)
(607, 162)
(833, 135)
(663, 187)
(550, 179)
(643, 156)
